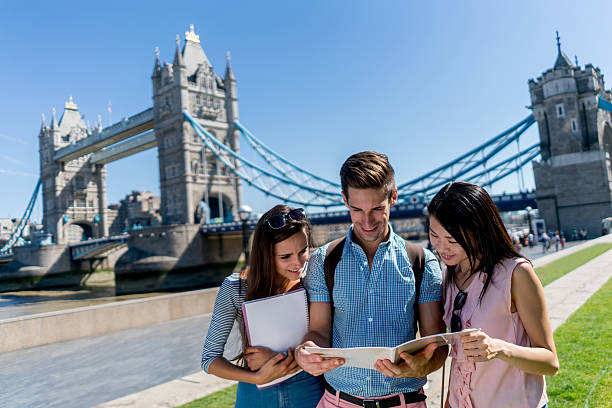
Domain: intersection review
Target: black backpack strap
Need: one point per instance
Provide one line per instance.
(416, 255)
(332, 258)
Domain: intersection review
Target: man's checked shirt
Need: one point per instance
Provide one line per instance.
(372, 308)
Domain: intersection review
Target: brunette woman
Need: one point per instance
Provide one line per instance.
(280, 250)
(490, 286)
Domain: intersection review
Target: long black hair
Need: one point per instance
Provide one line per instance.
(468, 214)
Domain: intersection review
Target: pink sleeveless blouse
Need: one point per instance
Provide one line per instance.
(493, 383)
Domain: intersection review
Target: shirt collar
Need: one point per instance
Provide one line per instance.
(389, 241)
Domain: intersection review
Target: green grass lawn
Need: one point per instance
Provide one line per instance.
(560, 267)
(220, 399)
(583, 346)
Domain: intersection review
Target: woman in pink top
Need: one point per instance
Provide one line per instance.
(490, 286)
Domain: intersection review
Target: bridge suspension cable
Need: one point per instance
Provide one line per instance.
(484, 165)
(284, 167)
(504, 168)
(281, 186)
(17, 235)
(466, 167)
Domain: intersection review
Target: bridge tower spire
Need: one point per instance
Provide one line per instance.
(574, 177)
(74, 192)
(194, 185)
(562, 61)
(156, 75)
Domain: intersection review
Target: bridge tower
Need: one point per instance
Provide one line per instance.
(574, 178)
(194, 186)
(74, 192)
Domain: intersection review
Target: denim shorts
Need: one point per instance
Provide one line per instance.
(300, 391)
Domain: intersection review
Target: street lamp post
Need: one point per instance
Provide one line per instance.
(245, 213)
(528, 209)
(533, 241)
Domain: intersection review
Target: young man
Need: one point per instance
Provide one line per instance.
(373, 299)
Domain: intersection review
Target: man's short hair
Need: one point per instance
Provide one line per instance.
(368, 170)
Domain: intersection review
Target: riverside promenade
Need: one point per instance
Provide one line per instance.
(158, 365)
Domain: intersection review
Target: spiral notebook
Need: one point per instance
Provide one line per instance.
(277, 322)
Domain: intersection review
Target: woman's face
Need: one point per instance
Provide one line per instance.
(451, 253)
(290, 256)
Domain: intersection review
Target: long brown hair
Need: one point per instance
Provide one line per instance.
(261, 276)
(469, 215)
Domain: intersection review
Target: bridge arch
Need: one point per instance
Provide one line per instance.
(78, 231)
(218, 209)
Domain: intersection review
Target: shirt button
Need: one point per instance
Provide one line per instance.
(367, 378)
(370, 319)
(371, 290)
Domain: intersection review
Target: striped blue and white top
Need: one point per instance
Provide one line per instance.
(228, 308)
(372, 308)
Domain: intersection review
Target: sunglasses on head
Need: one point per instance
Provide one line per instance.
(280, 220)
(457, 306)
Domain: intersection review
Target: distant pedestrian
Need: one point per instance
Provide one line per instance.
(517, 245)
(562, 238)
(545, 241)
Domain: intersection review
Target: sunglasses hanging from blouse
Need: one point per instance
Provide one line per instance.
(456, 324)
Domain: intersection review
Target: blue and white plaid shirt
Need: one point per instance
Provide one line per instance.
(372, 308)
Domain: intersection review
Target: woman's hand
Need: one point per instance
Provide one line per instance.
(276, 367)
(479, 347)
(257, 356)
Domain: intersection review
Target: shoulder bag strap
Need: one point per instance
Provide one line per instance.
(332, 258)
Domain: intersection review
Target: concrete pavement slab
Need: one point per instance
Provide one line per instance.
(173, 393)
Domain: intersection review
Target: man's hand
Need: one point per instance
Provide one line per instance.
(416, 366)
(314, 364)
(257, 356)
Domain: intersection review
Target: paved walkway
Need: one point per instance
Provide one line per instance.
(90, 371)
(563, 296)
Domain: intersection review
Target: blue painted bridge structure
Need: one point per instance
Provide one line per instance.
(286, 181)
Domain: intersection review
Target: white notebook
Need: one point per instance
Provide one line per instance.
(365, 357)
(277, 322)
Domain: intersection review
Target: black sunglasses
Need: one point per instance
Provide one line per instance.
(280, 220)
(457, 305)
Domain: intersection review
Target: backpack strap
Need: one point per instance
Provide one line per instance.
(332, 258)
(416, 255)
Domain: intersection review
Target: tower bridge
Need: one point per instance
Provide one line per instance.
(194, 124)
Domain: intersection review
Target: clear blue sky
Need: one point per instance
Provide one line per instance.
(317, 81)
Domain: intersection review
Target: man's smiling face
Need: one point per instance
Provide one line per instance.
(369, 209)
